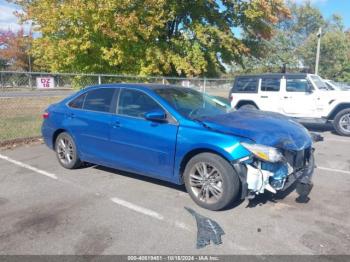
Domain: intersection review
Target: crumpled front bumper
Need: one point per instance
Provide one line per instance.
(303, 178)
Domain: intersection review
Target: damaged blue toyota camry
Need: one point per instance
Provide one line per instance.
(182, 136)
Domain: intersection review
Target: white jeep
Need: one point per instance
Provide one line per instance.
(304, 97)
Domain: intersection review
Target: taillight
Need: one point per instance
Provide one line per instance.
(230, 98)
(46, 115)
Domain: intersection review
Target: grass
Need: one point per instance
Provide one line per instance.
(21, 117)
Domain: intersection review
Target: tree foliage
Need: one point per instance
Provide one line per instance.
(335, 54)
(14, 48)
(146, 37)
(295, 41)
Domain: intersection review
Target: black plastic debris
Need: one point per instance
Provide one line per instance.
(207, 230)
(316, 137)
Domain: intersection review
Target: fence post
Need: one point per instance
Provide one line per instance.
(99, 79)
(30, 80)
(204, 84)
(1, 80)
(163, 81)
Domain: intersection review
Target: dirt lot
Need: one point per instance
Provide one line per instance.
(45, 209)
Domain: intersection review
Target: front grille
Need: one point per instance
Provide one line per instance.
(297, 159)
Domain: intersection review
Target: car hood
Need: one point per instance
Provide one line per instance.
(266, 128)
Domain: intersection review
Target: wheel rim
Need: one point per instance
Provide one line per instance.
(65, 150)
(344, 123)
(206, 182)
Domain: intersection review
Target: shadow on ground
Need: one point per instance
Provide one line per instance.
(320, 127)
(142, 178)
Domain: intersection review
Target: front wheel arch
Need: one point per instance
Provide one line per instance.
(189, 155)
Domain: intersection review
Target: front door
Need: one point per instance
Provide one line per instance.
(140, 145)
(299, 98)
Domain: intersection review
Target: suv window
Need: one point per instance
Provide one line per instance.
(319, 83)
(78, 102)
(270, 84)
(297, 85)
(135, 103)
(99, 100)
(246, 85)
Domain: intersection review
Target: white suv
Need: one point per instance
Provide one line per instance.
(304, 97)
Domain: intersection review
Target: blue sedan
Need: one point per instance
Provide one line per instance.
(182, 136)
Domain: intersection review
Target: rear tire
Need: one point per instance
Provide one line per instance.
(248, 107)
(214, 186)
(66, 151)
(342, 122)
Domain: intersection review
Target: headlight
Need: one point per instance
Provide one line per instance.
(265, 153)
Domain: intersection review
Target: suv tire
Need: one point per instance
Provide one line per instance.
(66, 151)
(341, 122)
(211, 181)
(248, 107)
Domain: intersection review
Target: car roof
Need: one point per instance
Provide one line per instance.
(136, 85)
(274, 75)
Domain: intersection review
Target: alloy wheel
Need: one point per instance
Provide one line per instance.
(206, 182)
(344, 123)
(65, 150)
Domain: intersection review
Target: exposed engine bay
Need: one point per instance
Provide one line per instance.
(278, 176)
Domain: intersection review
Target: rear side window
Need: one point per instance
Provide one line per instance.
(297, 85)
(246, 85)
(136, 103)
(99, 100)
(270, 84)
(78, 102)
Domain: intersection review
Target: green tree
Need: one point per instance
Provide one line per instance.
(334, 55)
(145, 37)
(270, 55)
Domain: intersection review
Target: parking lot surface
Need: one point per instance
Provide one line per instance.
(46, 209)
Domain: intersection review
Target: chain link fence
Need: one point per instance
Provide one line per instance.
(24, 96)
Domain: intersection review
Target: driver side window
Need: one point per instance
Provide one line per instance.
(298, 85)
(135, 103)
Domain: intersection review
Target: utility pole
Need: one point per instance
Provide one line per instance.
(319, 34)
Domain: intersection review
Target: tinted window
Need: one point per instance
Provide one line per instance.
(297, 85)
(99, 99)
(270, 84)
(135, 103)
(78, 102)
(247, 85)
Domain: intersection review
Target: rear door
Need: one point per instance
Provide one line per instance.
(270, 97)
(140, 145)
(89, 121)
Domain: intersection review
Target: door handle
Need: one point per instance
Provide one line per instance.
(115, 124)
(264, 97)
(71, 115)
(286, 97)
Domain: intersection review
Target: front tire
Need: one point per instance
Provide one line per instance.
(342, 122)
(211, 181)
(66, 151)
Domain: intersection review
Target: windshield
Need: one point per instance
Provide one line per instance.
(319, 83)
(193, 104)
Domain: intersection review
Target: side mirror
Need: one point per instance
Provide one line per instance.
(156, 115)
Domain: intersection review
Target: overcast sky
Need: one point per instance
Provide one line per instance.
(327, 7)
